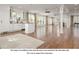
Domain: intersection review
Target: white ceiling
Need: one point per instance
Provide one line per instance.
(53, 8)
(38, 8)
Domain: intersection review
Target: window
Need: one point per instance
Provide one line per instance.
(31, 18)
(41, 20)
(50, 20)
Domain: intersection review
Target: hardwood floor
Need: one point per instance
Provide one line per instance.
(53, 38)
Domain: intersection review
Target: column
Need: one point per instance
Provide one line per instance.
(27, 17)
(46, 26)
(71, 21)
(46, 21)
(52, 21)
(35, 22)
(61, 18)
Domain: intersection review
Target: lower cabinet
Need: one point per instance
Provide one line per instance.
(4, 28)
(16, 27)
(11, 27)
(29, 28)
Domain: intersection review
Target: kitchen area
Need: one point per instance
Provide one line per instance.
(13, 19)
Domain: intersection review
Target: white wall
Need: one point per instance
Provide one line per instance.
(4, 14)
(4, 18)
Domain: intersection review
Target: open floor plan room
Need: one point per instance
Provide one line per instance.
(39, 26)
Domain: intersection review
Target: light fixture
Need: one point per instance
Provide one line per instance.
(47, 11)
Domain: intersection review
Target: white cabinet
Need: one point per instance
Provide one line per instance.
(4, 28)
(29, 28)
(11, 27)
(16, 27)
